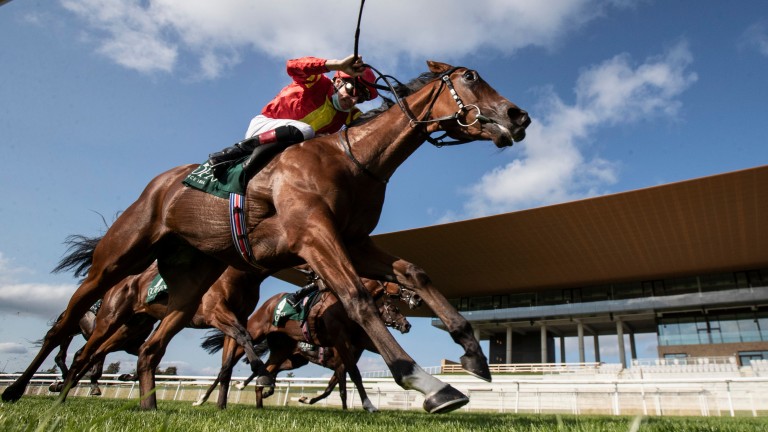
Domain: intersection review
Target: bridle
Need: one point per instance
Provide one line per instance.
(445, 82)
(388, 312)
(440, 141)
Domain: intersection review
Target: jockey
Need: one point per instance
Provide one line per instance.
(312, 104)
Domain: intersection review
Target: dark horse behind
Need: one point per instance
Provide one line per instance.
(317, 203)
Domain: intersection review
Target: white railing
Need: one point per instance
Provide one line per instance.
(576, 395)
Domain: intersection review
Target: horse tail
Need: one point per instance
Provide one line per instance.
(261, 349)
(79, 255)
(213, 342)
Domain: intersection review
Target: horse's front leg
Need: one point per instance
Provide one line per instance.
(325, 254)
(473, 360)
(379, 265)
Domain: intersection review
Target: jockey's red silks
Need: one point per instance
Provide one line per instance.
(308, 98)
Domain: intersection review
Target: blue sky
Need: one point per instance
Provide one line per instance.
(99, 96)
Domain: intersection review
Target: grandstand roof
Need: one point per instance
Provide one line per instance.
(704, 225)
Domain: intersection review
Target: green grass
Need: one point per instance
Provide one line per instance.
(42, 413)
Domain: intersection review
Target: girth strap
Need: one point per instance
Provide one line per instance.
(237, 223)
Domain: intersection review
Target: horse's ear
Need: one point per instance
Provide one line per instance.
(437, 67)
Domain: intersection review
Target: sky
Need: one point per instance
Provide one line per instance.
(99, 96)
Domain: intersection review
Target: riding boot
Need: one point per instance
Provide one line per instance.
(272, 143)
(294, 299)
(243, 148)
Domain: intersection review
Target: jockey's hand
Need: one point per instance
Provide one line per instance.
(349, 65)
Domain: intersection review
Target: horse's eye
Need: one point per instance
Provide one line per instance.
(470, 75)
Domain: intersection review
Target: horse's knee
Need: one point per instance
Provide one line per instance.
(417, 276)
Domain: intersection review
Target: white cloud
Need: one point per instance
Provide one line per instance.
(12, 348)
(152, 36)
(756, 37)
(554, 167)
(45, 301)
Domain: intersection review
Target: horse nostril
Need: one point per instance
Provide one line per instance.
(518, 116)
(524, 119)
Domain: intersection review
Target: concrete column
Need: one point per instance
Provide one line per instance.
(543, 343)
(509, 345)
(597, 348)
(562, 349)
(620, 335)
(580, 331)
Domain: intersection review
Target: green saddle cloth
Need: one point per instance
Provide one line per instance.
(156, 288)
(233, 181)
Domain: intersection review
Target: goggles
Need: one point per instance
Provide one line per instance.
(357, 89)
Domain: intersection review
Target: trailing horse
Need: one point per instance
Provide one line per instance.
(334, 339)
(126, 316)
(317, 203)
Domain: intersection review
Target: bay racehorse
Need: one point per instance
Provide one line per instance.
(126, 318)
(316, 203)
(338, 341)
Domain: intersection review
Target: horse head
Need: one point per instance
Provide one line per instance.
(392, 317)
(467, 108)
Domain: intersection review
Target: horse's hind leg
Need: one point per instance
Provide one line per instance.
(57, 335)
(332, 383)
(232, 309)
(230, 354)
(188, 274)
(107, 269)
(96, 372)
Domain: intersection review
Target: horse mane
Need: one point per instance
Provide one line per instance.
(401, 90)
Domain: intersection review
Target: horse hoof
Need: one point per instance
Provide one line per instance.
(445, 400)
(56, 387)
(198, 403)
(12, 393)
(239, 385)
(476, 366)
(304, 400)
(125, 377)
(96, 393)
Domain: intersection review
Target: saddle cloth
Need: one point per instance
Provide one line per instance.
(202, 178)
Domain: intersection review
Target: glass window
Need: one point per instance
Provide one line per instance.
(520, 300)
(729, 328)
(746, 357)
(689, 333)
(684, 285)
(762, 324)
(628, 290)
(748, 328)
(717, 282)
(757, 278)
(669, 332)
(596, 293)
(550, 298)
